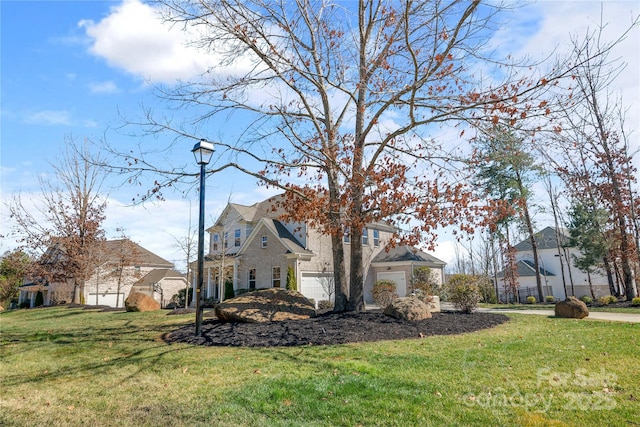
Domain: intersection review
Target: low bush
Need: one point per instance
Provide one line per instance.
(607, 299)
(228, 290)
(325, 305)
(464, 292)
(531, 300)
(586, 299)
(550, 299)
(384, 291)
(635, 302)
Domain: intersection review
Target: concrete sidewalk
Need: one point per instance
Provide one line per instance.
(596, 315)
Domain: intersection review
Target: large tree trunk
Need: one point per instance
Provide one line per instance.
(534, 244)
(356, 276)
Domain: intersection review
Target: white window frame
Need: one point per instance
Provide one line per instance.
(275, 279)
(365, 236)
(237, 234)
(249, 280)
(264, 241)
(376, 237)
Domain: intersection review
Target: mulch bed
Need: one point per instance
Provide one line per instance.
(332, 328)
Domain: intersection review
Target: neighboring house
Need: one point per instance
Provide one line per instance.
(252, 248)
(557, 271)
(120, 265)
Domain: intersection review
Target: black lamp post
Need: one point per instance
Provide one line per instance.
(202, 151)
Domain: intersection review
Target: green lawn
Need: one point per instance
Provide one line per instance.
(62, 366)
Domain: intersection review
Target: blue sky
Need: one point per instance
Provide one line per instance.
(71, 69)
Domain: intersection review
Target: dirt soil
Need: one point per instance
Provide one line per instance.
(332, 328)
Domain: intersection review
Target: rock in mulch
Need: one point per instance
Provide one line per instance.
(571, 308)
(137, 301)
(408, 308)
(266, 305)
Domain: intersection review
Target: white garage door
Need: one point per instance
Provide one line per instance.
(106, 299)
(399, 278)
(316, 286)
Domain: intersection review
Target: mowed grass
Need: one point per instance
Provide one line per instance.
(62, 366)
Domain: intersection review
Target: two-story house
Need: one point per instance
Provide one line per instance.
(251, 247)
(560, 278)
(119, 266)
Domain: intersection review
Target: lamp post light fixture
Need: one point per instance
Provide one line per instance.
(202, 151)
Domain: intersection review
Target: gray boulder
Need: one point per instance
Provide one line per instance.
(266, 305)
(409, 308)
(571, 308)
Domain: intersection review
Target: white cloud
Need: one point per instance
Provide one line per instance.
(134, 38)
(49, 117)
(103, 87)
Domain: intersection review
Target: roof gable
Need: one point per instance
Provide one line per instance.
(545, 239)
(277, 229)
(406, 253)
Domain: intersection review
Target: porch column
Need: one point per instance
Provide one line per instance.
(210, 293)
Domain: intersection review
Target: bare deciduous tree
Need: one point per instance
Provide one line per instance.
(339, 102)
(63, 228)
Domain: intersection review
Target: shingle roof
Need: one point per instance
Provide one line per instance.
(527, 269)
(155, 276)
(406, 253)
(546, 239)
(113, 250)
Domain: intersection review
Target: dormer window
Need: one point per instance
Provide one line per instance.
(365, 236)
(216, 241)
(376, 238)
(264, 241)
(237, 237)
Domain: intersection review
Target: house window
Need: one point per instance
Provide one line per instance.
(216, 240)
(237, 237)
(226, 239)
(376, 238)
(365, 236)
(264, 241)
(347, 235)
(275, 277)
(252, 278)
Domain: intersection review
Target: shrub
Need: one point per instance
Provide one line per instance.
(325, 305)
(228, 290)
(292, 283)
(635, 302)
(487, 290)
(24, 304)
(586, 299)
(464, 292)
(531, 300)
(607, 299)
(209, 302)
(384, 291)
(178, 299)
(423, 280)
(550, 298)
(242, 291)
